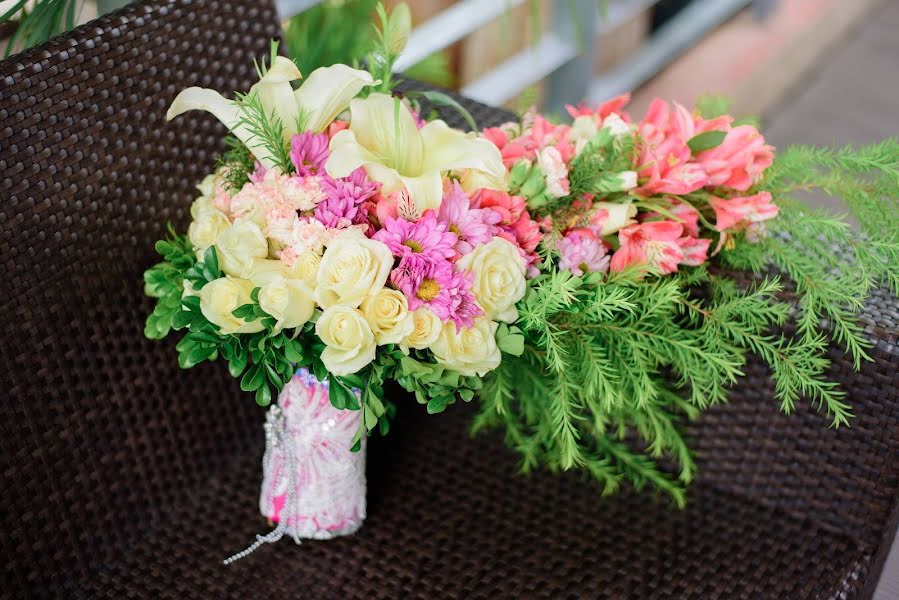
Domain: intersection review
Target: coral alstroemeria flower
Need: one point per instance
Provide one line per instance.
(656, 244)
(736, 212)
(384, 138)
(323, 96)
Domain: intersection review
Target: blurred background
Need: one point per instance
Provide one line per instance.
(814, 71)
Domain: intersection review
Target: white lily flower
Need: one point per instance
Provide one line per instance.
(323, 96)
(384, 139)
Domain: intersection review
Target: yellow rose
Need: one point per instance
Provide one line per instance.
(352, 268)
(350, 343)
(498, 271)
(426, 328)
(238, 246)
(219, 299)
(469, 351)
(387, 313)
(289, 301)
(204, 231)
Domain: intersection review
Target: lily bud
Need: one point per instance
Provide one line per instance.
(399, 25)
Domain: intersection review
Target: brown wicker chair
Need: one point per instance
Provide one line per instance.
(124, 476)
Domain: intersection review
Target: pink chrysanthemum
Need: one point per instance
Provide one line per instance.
(583, 252)
(346, 198)
(309, 153)
(426, 237)
(473, 226)
(433, 284)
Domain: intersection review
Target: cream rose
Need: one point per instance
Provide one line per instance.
(426, 328)
(470, 351)
(352, 268)
(204, 231)
(617, 215)
(238, 246)
(289, 301)
(498, 278)
(306, 268)
(207, 188)
(219, 299)
(387, 313)
(350, 343)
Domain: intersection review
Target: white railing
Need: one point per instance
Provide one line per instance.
(564, 55)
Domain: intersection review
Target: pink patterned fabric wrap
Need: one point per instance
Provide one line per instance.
(329, 479)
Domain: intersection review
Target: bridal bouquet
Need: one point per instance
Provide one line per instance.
(579, 278)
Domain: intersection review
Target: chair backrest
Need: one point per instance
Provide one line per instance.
(99, 426)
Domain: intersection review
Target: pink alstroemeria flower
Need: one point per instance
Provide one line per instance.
(656, 244)
(665, 156)
(613, 105)
(739, 161)
(737, 213)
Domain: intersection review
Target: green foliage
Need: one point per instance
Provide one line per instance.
(612, 365)
(46, 19)
(165, 282)
(236, 164)
(595, 169)
(266, 130)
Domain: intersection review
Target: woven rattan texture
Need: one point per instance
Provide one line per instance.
(125, 477)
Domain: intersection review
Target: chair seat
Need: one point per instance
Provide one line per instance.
(448, 517)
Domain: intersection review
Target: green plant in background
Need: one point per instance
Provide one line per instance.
(341, 32)
(47, 18)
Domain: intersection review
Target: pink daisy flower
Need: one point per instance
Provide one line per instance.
(433, 284)
(309, 153)
(427, 238)
(473, 226)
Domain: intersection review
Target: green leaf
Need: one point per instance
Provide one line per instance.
(293, 351)
(706, 141)
(437, 405)
(511, 344)
(252, 379)
(237, 363)
(264, 396)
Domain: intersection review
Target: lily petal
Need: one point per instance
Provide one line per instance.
(425, 191)
(448, 149)
(327, 92)
(226, 111)
(385, 127)
(347, 154)
(277, 95)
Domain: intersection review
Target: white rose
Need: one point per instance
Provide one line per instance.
(616, 125)
(238, 246)
(219, 299)
(620, 214)
(387, 313)
(499, 281)
(289, 301)
(426, 328)
(202, 207)
(350, 343)
(470, 351)
(555, 171)
(352, 268)
(206, 229)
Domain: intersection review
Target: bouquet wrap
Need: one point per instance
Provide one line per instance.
(327, 480)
